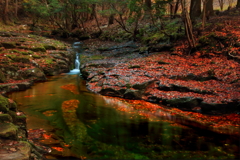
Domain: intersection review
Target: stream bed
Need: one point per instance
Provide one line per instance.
(79, 124)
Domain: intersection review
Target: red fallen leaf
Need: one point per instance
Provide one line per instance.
(60, 149)
(45, 136)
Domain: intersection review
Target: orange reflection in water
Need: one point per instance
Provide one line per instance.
(71, 87)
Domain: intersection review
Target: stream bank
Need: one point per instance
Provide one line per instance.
(25, 59)
(120, 70)
(196, 86)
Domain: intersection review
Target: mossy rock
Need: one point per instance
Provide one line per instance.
(23, 59)
(36, 56)
(37, 48)
(8, 131)
(34, 73)
(132, 94)
(8, 45)
(5, 118)
(23, 152)
(5, 34)
(49, 47)
(4, 104)
(20, 119)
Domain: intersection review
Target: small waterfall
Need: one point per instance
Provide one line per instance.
(77, 48)
(77, 63)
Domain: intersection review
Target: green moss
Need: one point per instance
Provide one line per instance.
(9, 45)
(8, 130)
(49, 47)
(4, 104)
(5, 118)
(37, 47)
(36, 56)
(23, 59)
(49, 61)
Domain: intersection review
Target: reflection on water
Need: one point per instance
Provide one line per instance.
(94, 126)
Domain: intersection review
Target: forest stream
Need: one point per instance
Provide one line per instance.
(78, 124)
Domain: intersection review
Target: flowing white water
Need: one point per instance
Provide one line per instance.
(77, 48)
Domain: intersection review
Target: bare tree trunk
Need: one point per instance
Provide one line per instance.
(148, 5)
(176, 8)
(238, 4)
(5, 12)
(111, 19)
(230, 3)
(221, 3)
(195, 9)
(95, 16)
(209, 8)
(204, 13)
(16, 9)
(188, 26)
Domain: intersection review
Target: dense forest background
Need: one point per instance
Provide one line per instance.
(84, 19)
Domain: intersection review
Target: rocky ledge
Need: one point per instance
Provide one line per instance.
(14, 144)
(200, 84)
(26, 58)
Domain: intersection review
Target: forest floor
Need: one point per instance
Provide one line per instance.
(204, 82)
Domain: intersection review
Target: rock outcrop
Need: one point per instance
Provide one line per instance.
(14, 144)
(195, 84)
(30, 58)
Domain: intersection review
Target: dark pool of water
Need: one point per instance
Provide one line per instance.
(97, 128)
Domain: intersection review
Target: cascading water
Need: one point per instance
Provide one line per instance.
(77, 63)
(77, 48)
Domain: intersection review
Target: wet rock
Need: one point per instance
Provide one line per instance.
(8, 130)
(5, 34)
(109, 91)
(24, 85)
(143, 85)
(215, 108)
(5, 118)
(132, 94)
(186, 102)
(18, 151)
(4, 104)
(51, 71)
(49, 47)
(8, 45)
(35, 74)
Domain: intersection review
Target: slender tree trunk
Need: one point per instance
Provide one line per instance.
(188, 26)
(204, 14)
(221, 2)
(5, 12)
(209, 8)
(238, 4)
(94, 13)
(230, 3)
(111, 19)
(195, 9)
(176, 8)
(148, 8)
(16, 9)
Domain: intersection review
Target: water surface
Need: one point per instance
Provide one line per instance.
(92, 126)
